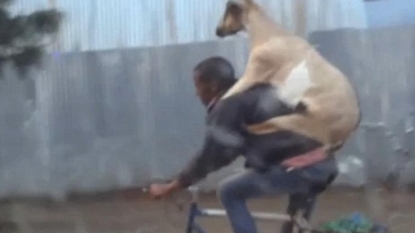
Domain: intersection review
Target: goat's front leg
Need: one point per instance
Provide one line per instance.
(255, 72)
(243, 84)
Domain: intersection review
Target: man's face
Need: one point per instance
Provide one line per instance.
(204, 90)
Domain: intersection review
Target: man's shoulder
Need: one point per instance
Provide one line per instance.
(258, 103)
(249, 95)
(240, 105)
(256, 90)
(260, 88)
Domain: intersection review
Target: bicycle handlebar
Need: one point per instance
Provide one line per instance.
(146, 187)
(193, 190)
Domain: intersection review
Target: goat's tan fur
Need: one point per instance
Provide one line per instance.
(332, 106)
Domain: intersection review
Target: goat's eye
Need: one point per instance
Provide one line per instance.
(234, 8)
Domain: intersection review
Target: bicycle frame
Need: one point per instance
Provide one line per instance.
(195, 211)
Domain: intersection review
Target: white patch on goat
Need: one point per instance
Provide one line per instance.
(297, 83)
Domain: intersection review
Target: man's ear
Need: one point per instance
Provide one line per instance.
(214, 87)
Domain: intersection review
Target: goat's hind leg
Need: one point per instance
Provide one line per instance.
(297, 123)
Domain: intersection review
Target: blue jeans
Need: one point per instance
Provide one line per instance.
(235, 190)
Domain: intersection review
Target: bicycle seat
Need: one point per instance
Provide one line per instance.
(318, 187)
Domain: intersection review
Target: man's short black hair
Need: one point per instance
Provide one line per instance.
(216, 70)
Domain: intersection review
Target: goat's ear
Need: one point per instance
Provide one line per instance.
(249, 2)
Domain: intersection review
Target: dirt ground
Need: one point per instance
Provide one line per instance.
(133, 212)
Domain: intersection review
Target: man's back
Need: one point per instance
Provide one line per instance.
(227, 121)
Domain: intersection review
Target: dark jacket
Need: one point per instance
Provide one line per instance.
(226, 137)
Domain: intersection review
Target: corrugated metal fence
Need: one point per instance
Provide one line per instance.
(111, 119)
(114, 24)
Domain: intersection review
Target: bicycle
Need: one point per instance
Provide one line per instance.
(296, 218)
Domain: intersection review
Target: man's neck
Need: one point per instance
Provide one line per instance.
(214, 100)
(212, 103)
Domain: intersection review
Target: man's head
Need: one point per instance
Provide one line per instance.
(212, 78)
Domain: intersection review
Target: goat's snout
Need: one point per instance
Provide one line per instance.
(220, 32)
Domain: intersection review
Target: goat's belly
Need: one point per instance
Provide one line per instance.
(329, 126)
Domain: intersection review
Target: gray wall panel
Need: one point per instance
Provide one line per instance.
(380, 64)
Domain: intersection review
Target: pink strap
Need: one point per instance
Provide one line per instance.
(305, 160)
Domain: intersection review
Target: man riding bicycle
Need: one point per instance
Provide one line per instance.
(276, 163)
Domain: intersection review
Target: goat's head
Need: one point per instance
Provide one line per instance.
(235, 17)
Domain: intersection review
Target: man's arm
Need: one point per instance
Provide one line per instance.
(224, 141)
(210, 159)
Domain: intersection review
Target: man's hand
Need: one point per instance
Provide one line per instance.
(158, 191)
